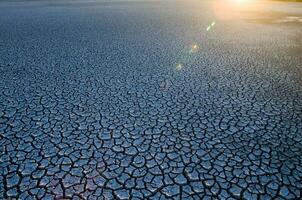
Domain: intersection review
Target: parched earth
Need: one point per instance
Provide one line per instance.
(150, 100)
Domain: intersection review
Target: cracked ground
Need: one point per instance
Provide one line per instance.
(150, 100)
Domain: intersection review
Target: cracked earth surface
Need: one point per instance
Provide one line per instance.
(105, 101)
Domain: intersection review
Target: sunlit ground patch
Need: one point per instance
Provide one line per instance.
(289, 19)
(258, 11)
(231, 9)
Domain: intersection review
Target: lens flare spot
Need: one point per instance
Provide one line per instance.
(179, 67)
(211, 25)
(194, 48)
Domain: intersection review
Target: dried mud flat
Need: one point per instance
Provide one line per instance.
(149, 100)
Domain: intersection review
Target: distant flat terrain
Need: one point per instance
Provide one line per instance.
(150, 100)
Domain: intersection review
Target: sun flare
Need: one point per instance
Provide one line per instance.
(240, 1)
(230, 9)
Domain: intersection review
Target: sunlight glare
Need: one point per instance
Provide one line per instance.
(241, 1)
(230, 9)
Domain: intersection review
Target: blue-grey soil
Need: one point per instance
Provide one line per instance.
(150, 100)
